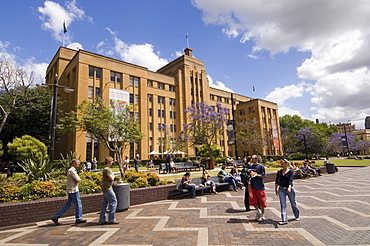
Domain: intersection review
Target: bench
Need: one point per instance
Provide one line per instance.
(238, 163)
(181, 167)
(201, 189)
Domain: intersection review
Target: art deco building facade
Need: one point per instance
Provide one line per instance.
(157, 97)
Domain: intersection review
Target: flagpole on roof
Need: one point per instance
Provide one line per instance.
(64, 30)
(187, 40)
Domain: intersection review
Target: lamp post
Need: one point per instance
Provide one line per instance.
(234, 130)
(53, 118)
(345, 136)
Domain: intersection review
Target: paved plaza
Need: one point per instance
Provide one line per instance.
(334, 211)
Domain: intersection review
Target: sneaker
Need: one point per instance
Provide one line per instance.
(283, 222)
(80, 221)
(297, 218)
(261, 218)
(55, 221)
(258, 214)
(103, 223)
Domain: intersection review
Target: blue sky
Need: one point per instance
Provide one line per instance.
(311, 56)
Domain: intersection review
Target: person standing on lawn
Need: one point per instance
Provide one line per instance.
(73, 195)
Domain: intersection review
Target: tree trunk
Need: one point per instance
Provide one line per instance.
(119, 161)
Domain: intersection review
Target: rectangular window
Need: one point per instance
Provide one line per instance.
(150, 83)
(159, 113)
(91, 71)
(159, 126)
(150, 98)
(112, 76)
(160, 100)
(136, 99)
(150, 112)
(172, 102)
(150, 126)
(97, 92)
(170, 114)
(134, 81)
(163, 113)
(131, 98)
(171, 88)
(98, 72)
(171, 128)
(160, 85)
(90, 92)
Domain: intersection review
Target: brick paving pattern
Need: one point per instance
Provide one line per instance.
(334, 211)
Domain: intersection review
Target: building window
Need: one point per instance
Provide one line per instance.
(150, 98)
(160, 100)
(94, 72)
(172, 102)
(160, 85)
(191, 79)
(150, 83)
(97, 92)
(159, 126)
(134, 81)
(171, 88)
(162, 113)
(90, 92)
(150, 112)
(170, 114)
(136, 99)
(137, 115)
(131, 98)
(212, 97)
(159, 113)
(150, 126)
(171, 128)
(115, 77)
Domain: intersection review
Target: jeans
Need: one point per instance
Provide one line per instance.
(109, 198)
(190, 188)
(231, 180)
(283, 193)
(137, 168)
(168, 168)
(73, 198)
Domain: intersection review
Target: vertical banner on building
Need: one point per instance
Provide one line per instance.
(118, 98)
(230, 132)
(275, 133)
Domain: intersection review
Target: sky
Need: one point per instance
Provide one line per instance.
(311, 57)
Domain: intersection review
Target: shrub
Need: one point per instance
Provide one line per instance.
(87, 186)
(132, 176)
(27, 147)
(37, 190)
(134, 186)
(8, 192)
(153, 179)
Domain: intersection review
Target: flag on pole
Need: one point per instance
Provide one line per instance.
(64, 27)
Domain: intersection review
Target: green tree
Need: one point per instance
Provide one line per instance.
(30, 117)
(111, 125)
(27, 147)
(204, 152)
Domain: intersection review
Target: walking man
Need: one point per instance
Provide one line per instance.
(73, 195)
(136, 163)
(109, 197)
(258, 198)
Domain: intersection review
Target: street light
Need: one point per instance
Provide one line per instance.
(234, 130)
(53, 118)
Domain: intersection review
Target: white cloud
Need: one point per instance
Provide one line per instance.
(54, 15)
(280, 95)
(337, 33)
(218, 84)
(140, 54)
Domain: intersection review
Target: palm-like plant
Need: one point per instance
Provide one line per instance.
(37, 169)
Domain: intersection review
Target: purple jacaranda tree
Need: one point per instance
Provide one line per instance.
(206, 124)
(316, 139)
(335, 143)
(363, 147)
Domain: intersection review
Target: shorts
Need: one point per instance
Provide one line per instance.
(259, 198)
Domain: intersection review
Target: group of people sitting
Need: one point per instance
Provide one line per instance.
(306, 170)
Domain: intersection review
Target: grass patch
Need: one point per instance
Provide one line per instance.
(347, 162)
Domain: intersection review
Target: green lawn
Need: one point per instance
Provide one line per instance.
(347, 162)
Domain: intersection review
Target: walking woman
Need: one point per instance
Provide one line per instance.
(283, 188)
